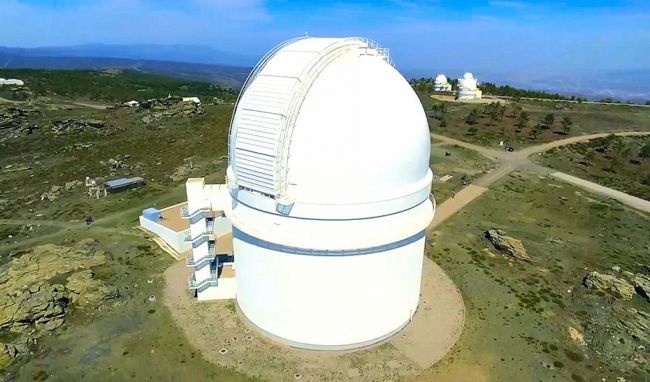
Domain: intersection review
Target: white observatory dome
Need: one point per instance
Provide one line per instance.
(468, 87)
(330, 180)
(441, 79)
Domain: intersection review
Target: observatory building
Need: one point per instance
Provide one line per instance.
(468, 87)
(327, 196)
(11, 82)
(441, 84)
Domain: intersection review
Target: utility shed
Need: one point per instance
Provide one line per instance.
(122, 184)
(151, 214)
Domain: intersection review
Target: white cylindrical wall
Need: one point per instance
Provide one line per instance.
(328, 301)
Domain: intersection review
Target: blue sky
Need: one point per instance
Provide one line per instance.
(548, 37)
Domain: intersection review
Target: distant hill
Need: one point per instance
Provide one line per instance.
(197, 54)
(18, 58)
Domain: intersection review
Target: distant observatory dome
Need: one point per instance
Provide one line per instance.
(330, 184)
(441, 84)
(441, 79)
(468, 87)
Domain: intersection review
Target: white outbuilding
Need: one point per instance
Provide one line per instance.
(195, 100)
(468, 88)
(11, 82)
(327, 195)
(441, 84)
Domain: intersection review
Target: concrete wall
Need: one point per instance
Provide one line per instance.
(176, 240)
(227, 289)
(222, 226)
(328, 302)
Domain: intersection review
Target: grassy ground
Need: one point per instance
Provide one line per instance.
(154, 152)
(518, 315)
(132, 339)
(606, 162)
(586, 118)
(462, 164)
(109, 85)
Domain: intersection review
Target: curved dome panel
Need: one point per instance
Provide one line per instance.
(361, 136)
(271, 98)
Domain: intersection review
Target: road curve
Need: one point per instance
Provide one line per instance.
(511, 161)
(577, 139)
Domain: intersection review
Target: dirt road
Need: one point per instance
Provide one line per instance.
(454, 204)
(512, 161)
(622, 197)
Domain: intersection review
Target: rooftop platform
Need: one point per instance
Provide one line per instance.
(223, 245)
(226, 272)
(171, 218)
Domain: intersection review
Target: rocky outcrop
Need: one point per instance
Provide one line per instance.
(42, 306)
(85, 290)
(67, 126)
(71, 185)
(618, 287)
(642, 285)
(637, 325)
(30, 298)
(14, 123)
(507, 245)
(170, 107)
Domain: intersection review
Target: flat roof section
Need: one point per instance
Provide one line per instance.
(171, 218)
(227, 272)
(223, 245)
(123, 182)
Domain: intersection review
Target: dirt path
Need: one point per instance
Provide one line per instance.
(622, 197)
(486, 151)
(581, 138)
(454, 204)
(438, 322)
(512, 161)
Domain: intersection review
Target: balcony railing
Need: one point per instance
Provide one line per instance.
(206, 283)
(185, 212)
(198, 239)
(198, 263)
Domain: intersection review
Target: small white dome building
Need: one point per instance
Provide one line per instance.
(441, 84)
(468, 87)
(330, 185)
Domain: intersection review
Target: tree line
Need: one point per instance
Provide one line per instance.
(426, 84)
(497, 111)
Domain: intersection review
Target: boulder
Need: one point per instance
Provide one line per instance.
(507, 245)
(642, 285)
(169, 107)
(618, 287)
(72, 184)
(66, 126)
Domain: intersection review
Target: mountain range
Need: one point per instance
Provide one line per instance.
(199, 62)
(183, 61)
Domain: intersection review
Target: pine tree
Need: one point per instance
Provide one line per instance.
(566, 125)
